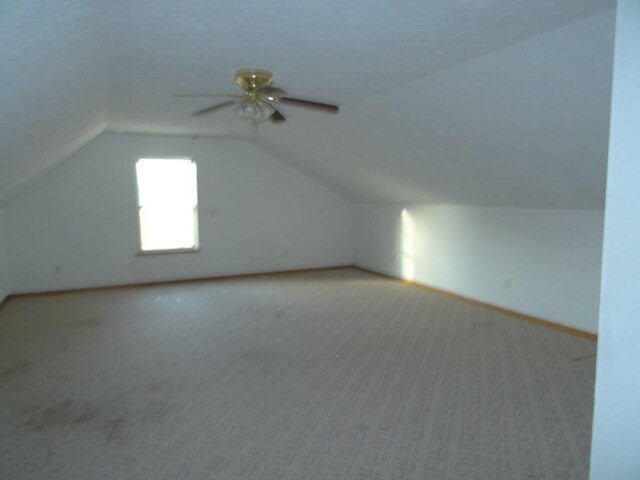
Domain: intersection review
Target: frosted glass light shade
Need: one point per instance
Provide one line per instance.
(254, 111)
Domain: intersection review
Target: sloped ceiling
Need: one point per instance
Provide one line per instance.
(526, 125)
(54, 85)
(485, 102)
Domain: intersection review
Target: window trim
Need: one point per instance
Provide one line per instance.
(145, 253)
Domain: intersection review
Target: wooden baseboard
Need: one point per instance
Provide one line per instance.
(496, 308)
(512, 313)
(239, 276)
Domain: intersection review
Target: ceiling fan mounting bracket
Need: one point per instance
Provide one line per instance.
(253, 78)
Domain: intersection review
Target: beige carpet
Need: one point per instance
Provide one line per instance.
(330, 375)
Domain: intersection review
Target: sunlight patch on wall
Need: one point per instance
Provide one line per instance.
(408, 240)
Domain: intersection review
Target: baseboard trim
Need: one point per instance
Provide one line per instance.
(512, 313)
(238, 276)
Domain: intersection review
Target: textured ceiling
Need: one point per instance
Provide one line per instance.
(405, 133)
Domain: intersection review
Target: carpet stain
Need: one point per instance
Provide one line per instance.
(108, 419)
(68, 414)
(59, 415)
(114, 429)
(14, 370)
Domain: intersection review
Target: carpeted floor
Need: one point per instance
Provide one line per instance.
(329, 375)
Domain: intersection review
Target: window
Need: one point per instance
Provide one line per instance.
(167, 204)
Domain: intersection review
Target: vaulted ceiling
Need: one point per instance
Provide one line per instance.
(496, 102)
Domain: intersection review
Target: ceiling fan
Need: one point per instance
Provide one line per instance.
(259, 98)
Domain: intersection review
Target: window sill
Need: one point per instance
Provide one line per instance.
(146, 253)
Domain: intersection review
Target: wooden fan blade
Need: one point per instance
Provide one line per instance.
(273, 93)
(277, 117)
(215, 108)
(298, 102)
(199, 95)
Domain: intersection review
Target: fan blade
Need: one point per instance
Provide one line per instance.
(273, 94)
(215, 108)
(298, 102)
(199, 95)
(277, 117)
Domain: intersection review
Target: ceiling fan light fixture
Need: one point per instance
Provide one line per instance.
(254, 111)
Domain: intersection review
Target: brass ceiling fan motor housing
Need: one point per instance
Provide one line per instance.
(252, 79)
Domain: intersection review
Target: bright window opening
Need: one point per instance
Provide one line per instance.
(167, 204)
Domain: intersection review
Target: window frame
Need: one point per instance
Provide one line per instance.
(196, 224)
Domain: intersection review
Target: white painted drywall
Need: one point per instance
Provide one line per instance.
(77, 227)
(544, 263)
(4, 267)
(523, 126)
(615, 453)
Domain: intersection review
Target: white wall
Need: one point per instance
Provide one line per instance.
(615, 453)
(544, 263)
(77, 227)
(4, 267)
